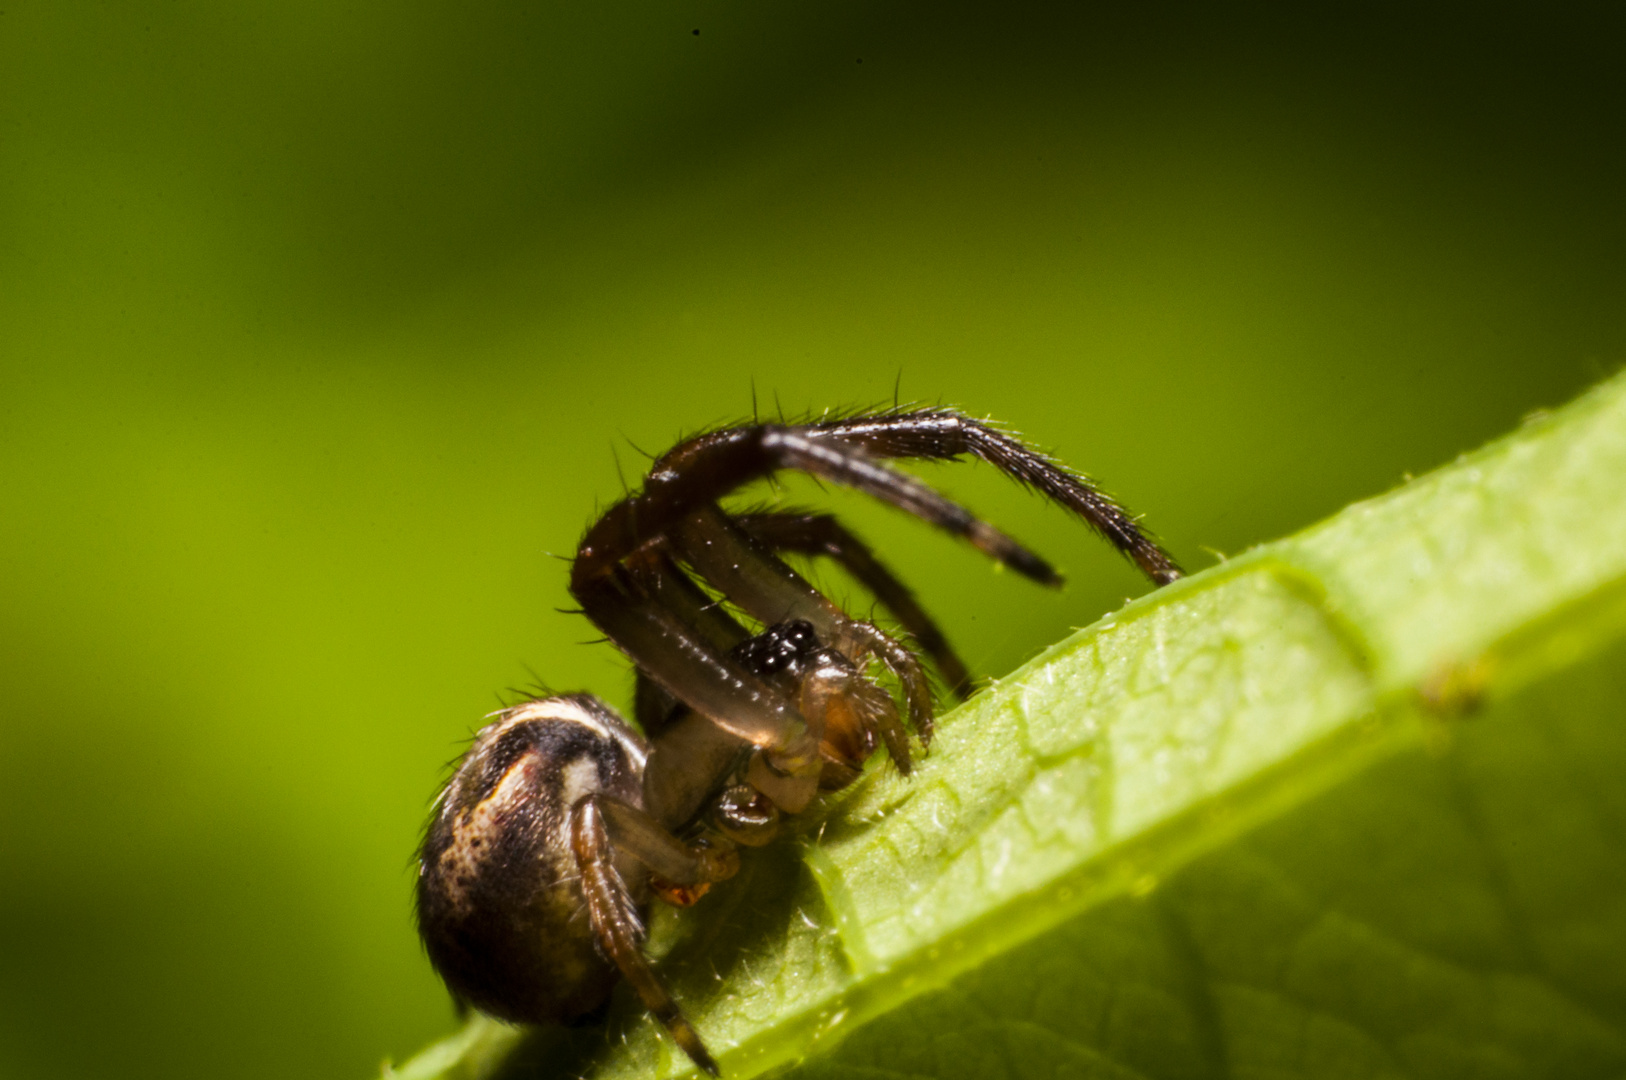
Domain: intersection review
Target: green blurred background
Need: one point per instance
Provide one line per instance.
(322, 324)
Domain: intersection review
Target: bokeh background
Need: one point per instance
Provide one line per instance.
(323, 324)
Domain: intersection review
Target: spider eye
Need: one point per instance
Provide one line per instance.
(780, 647)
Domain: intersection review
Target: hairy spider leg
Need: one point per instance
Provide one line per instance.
(703, 753)
(759, 582)
(822, 534)
(939, 434)
(708, 467)
(700, 471)
(677, 591)
(849, 464)
(614, 915)
(671, 587)
(695, 671)
(694, 475)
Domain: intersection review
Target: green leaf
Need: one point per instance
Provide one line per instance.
(1350, 804)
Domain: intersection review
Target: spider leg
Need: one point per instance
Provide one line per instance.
(626, 604)
(614, 915)
(671, 587)
(822, 534)
(700, 748)
(637, 834)
(704, 469)
(754, 578)
(708, 467)
(944, 433)
(677, 656)
(677, 592)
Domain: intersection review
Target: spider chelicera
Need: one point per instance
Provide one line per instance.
(561, 807)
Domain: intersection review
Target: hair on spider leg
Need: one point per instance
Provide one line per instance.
(615, 455)
(647, 455)
(537, 690)
(562, 823)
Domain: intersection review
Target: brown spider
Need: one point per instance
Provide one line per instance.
(560, 806)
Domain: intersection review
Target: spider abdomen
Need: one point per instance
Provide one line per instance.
(500, 904)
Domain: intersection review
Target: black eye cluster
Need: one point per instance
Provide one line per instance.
(778, 649)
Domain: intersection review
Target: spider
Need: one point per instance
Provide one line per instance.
(560, 807)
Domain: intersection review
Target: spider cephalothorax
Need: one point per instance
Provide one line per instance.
(560, 807)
